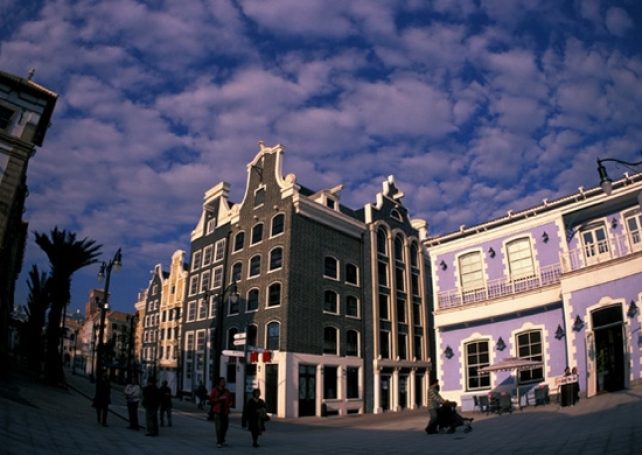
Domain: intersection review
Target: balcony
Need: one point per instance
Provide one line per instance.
(603, 251)
(499, 288)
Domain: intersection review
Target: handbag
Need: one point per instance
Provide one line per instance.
(263, 415)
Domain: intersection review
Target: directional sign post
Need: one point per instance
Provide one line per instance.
(239, 339)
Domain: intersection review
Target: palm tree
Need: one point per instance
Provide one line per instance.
(66, 256)
(37, 305)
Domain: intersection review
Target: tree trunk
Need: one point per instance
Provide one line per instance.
(60, 288)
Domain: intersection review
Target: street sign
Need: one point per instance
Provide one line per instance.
(239, 342)
(230, 353)
(239, 336)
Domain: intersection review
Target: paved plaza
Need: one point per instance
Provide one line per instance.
(36, 419)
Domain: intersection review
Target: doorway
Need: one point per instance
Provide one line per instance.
(608, 328)
(385, 393)
(307, 390)
(271, 388)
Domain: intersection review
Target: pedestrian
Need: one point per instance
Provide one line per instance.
(151, 401)
(201, 395)
(221, 401)
(132, 396)
(576, 385)
(165, 404)
(435, 401)
(102, 399)
(254, 416)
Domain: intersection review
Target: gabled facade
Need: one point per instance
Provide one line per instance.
(559, 283)
(150, 349)
(302, 265)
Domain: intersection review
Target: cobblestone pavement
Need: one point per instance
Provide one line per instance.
(36, 419)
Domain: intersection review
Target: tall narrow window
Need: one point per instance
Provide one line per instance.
(384, 307)
(399, 256)
(273, 336)
(330, 301)
(330, 382)
(352, 274)
(205, 281)
(274, 295)
(219, 250)
(529, 346)
(381, 242)
(237, 270)
(352, 343)
(251, 335)
(402, 346)
(331, 268)
(352, 382)
(276, 258)
(330, 340)
(477, 357)
(277, 224)
(253, 300)
(207, 255)
(634, 229)
(414, 252)
(259, 197)
(384, 344)
(470, 271)
(257, 233)
(520, 258)
(217, 280)
(352, 306)
(255, 266)
(239, 240)
(196, 260)
(595, 243)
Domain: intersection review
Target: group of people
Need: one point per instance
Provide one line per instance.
(569, 392)
(155, 399)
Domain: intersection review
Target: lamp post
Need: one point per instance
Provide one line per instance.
(105, 274)
(77, 317)
(605, 182)
(130, 348)
(232, 290)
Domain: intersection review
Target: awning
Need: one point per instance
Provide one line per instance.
(512, 364)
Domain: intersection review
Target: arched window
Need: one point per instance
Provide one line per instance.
(352, 343)
(255, 266)
(257, 233)
(276, 258)
(274, 295)
(237, 269)
(414, 253)
(251, 335)
(273, 333)
(330, 340)
(399, 248)
(330, 302)
(352, 274)
(278, 223)
(381, 242)
(331, 268)
(520, 258)
(253, 300)
(239, 240)
(352, 306)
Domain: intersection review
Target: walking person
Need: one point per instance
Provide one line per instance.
(221, 401)
(255, 416)
(102, 399)
(165, 404)
(151, 401)
(132, 396)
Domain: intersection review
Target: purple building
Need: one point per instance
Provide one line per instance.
(560, 284)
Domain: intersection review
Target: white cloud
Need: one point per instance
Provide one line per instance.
(618, 22)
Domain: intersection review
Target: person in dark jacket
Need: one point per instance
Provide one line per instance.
(151, 401)
(255, 416)
(165, 404)
(103, 398)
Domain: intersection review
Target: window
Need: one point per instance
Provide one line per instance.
(274, 295)
(401, 309)
(416, 312)
(193, 285)
(273, 335)
(217, 280)
(352, 383)
(259, 196)
(418, 347)
(5, 117)
(196, 260)
(207, 256)
(400, 278)
(191, 311)
(470, 271)
(277, 224)
(352, 343)
(529, 346)
(414, 284)
(382, 273)
(230, 337)
(331, 268)
(329, 382)
(477, 357)
(402, 346)
(399, 248)
(257, 233)
(414, 251)
(384, 344)
(251, 333)
(276, 258)
(381, 242)
(352, 306)
(634, 228)
(253, 300)
(212, 305)
(352, 274)
(255, 266)
(394, 213)
(330, 302)
(595, 243)
(384, 307)
(239, 240)
(211, 225)
(520, 259)
(331, 203)
(203, 307)
(205, 281)
(330, 340)
(237, 269)
(233, 306)
(219, 250)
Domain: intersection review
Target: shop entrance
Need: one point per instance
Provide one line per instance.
(608, 331)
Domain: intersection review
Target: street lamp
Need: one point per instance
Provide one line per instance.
(133, 322)
(105, 274)
(605, 182)
(220, 309)
(77, 317)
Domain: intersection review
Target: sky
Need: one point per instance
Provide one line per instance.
(476, 107)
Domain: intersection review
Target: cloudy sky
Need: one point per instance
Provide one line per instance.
(476, 107)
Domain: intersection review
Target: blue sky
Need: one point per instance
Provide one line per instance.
(475, 106)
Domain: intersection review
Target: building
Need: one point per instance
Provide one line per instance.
(321, 306)
(559, 284)
(25, 113)
(150, 347)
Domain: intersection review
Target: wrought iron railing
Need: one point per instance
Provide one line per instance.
(600, 252)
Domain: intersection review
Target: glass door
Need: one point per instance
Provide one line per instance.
(595, 244)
